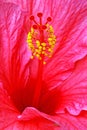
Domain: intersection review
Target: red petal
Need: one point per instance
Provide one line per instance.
(33, 119)
(14, 54)
(35, 116)
(30, 113)
(8, 113)
(30, 119)
(73, 92)
(70, 24)
(69, 122)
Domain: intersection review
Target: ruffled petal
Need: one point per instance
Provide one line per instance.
(70, 24)
(33, 115)
(69, 122)
(73, 91)
(14, 53)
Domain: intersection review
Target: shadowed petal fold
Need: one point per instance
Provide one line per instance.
(31, 118)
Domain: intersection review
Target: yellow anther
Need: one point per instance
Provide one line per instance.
(49, 50)
(38, 51)
(40, 47)
(29, 41)
(43, 52)
(38, 55)
(44, 62)
(44, 48)
(50, 39)
(43, 44)
(37, 43)
(29, 34)
(32, 30)
(31, 45)
(51, 29)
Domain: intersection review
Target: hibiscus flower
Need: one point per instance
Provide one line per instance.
(44, 93)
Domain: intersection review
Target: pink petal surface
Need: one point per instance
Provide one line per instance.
(14, 54)
(73, 92)
(69, 122)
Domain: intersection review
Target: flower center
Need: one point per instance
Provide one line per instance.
(41, 39)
